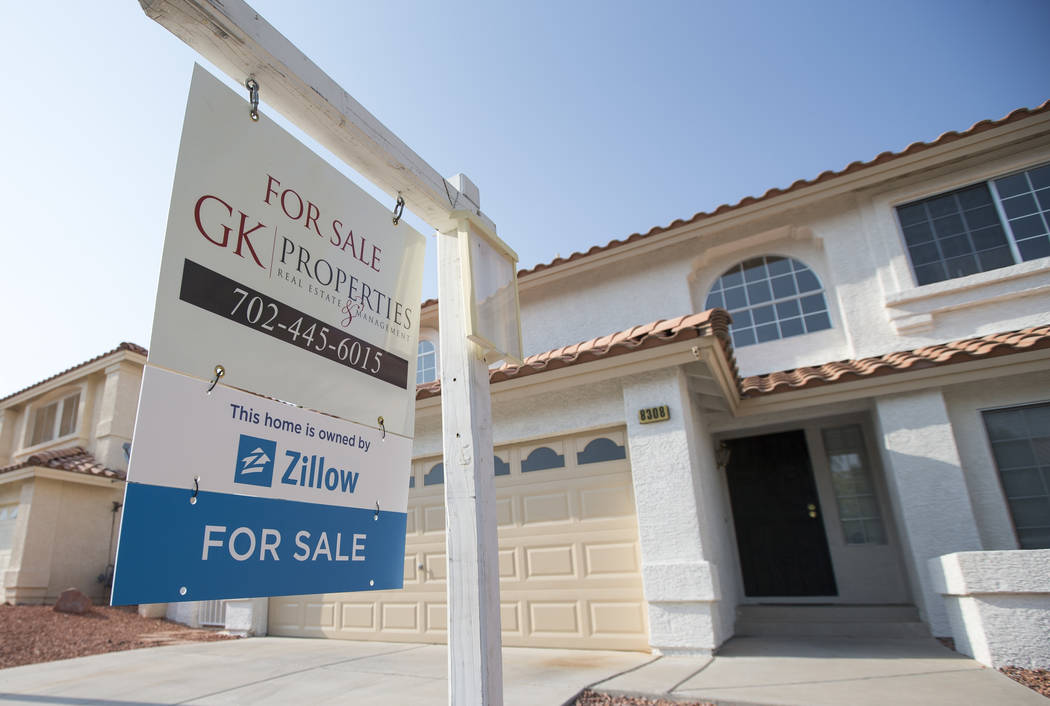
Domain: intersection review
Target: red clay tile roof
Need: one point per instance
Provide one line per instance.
(828, 175)
(73, 459)
(714, 322)
(978, 348)
(825, 176)
(132, 347)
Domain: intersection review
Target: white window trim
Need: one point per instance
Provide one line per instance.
(431, 335)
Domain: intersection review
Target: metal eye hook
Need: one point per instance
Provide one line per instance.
(383, 427)
(399, 209)
(253, 95)
(219, 372)
(196, 489)
(376, 516)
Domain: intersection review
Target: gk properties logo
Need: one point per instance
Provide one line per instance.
(255, 458)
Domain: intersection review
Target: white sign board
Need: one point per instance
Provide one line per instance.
(283, 271)
(297, 283)
(234, 495)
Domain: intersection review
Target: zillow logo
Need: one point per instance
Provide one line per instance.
(255, 461)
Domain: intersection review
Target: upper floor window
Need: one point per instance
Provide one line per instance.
(54, 420)
(981, 227)
(426, 362)
(770, 297)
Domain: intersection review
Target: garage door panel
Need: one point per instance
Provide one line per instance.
(358, 617)
(546, 508)
(555, 618)
(400, 616)
(611, 559)
(616, 618)
(569, 562)
(433, 519)
(550, 562)
(600, 503)
(436, 564)
(508, 564)
(436, 617)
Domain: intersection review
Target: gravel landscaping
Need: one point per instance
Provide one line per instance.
(31, 634)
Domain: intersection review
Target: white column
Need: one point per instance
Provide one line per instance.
(673, 473)
(475, 658)
(116, 419)
(929, 494)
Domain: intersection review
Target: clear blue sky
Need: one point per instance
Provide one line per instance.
(581, 122)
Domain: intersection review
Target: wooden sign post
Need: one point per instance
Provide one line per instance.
(231, 35)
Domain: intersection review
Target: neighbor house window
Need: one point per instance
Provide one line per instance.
(54, 420)
(854, 493)
(8, 515)
(981, 227)
(770, 297)
(426, 362)
(1020, 439)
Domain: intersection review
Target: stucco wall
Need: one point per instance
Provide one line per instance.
(83, 545)
(611, 298)
(965, 404)
(533, 416)
(65, 540)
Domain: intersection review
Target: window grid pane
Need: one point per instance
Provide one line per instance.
(981, 227)
(1026, 205)
(859, 512)
(770, 297)
(1020, 444)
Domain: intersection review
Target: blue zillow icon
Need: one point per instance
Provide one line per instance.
(255, 461)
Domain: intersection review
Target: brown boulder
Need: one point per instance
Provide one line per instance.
(73, 601)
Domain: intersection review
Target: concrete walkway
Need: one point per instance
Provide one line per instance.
(273, 670)
(826, 672)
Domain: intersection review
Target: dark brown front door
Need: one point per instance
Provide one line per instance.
(779, 530)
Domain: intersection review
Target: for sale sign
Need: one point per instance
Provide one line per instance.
(291, 476)
(283, 271)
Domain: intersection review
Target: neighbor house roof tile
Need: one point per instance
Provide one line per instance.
(125, 346)
(73, 459)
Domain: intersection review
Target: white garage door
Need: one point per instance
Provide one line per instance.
(568, 553)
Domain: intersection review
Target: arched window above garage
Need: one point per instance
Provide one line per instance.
(426, 362)
(770, 297)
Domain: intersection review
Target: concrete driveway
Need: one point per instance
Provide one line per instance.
(278, 670)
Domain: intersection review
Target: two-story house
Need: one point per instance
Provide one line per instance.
(865, 449)
(823, 410)
(63, 457)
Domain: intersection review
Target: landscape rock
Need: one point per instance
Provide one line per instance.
(73, 601)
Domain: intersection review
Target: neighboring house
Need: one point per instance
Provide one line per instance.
(862, 449)
(63, 458)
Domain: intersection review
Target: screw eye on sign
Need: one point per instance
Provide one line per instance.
(295, 281)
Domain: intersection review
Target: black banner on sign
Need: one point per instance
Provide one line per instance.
(239, 303)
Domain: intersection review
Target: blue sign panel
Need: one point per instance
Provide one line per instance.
(237, 546)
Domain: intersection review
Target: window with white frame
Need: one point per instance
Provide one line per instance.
(8, 515)
(858, 507)
(770, 297)
(53, 420)
(981, 227)
(426, 362)
(1020, 439)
